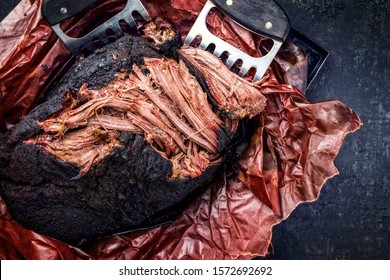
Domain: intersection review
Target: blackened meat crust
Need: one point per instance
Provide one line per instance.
(129, 189)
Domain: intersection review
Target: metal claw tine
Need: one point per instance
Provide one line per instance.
(230, 61)
(217, 51)
(117, 29)
(244, 69)
(242, 73)
(131, 23)
(258, 75)
(144, 14)
(189, 39)
(204, 44)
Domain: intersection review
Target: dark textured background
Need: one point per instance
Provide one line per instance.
(351, 219)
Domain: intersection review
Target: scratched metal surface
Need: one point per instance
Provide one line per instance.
(351, 219)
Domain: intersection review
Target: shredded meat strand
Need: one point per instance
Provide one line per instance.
(83, 147)
(146, 84)
(236, 97)
(175, 93)
(162, 101)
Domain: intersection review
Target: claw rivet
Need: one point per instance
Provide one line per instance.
(64, 10)
(268, 25)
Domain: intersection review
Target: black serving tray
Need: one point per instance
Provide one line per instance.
(316, 54)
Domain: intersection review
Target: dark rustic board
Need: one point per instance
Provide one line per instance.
(351, 219)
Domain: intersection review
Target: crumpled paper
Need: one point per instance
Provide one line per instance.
(286, 159)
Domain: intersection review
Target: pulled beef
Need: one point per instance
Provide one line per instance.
(121, 142)
(167, 106)
(236, 97)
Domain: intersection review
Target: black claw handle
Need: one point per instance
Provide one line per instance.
(56, 11)
(263, 17)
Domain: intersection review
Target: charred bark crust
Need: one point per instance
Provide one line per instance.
(129, 189)
(120, 194)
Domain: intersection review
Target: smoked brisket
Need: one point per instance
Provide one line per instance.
(123, 141)
(129, 188)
